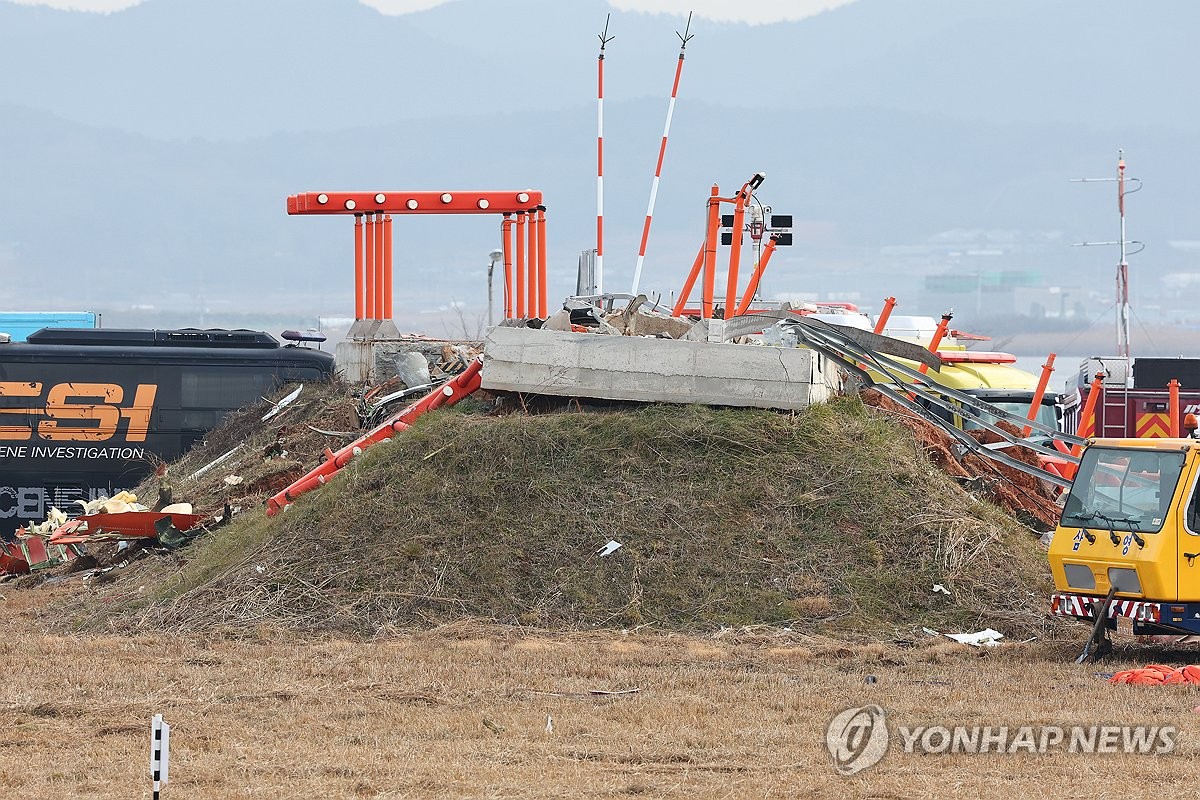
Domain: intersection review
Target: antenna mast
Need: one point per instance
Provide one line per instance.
(684, 38)
(604, 39)
(1123, 349)
(1123, 266)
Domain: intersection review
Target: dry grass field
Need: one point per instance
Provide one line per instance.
(462, 711)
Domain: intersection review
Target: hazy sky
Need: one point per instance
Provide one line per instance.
(754, 11)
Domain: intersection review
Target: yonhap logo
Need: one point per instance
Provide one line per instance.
(857, 738)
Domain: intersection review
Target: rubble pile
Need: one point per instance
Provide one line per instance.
(253, 454)
(1024, 496)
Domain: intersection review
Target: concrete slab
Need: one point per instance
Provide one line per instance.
(654, 370)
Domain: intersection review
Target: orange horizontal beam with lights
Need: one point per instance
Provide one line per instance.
(410, 202)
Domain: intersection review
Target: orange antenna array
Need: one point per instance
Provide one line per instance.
(373, 240)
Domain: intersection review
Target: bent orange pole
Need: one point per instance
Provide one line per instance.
(881, 323)
(359, 305)
(735, 249)
(1173, 406)
(710, 253)
(938, 335)
(1035, 405)
(689, 284)
(465, 383)
(387, 267)
(506, 236)
(520, 267)
(1087, 417)
(369, 289)
(759, 269)
(542, 310)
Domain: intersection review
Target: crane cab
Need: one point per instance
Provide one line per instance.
(1131, 524)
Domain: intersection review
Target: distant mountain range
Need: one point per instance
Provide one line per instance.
(145, 155)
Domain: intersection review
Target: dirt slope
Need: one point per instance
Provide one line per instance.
(830, 520)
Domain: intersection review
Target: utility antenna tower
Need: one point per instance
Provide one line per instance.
(1122, 243)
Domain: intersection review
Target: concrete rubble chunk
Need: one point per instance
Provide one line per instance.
(412, 368)
(637, 320)
(559, 321)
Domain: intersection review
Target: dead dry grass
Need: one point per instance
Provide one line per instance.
(461, 711)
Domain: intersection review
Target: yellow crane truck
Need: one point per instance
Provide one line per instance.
(1128, 542)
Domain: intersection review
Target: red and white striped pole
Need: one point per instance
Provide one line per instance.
(684, 37)
(604, 39)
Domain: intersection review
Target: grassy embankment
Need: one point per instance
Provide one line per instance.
(829, 520)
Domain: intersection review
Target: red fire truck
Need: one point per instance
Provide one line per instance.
(1135, 396)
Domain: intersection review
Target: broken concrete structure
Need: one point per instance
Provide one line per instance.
(376, 360)
(654, 370)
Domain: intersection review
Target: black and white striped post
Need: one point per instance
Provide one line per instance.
(160, 752)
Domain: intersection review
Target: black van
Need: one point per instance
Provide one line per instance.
(88, 412)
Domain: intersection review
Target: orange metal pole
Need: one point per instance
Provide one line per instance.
(358, 267)
(387, 267)
(531, 257)
(735, 250)
(689, 284)
(542, 309)
(369, 289)
(1173, 393)
(379, 266)
(759, 269)
(938, 335)
(881, 323)
(1035, 404)
(710, 253)
(520, 267)
(506, 235)
(1087, 417)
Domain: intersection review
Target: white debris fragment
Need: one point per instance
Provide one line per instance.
(549, 724)
(984, 638)
(284, 403)
(937, 587)
(610, 548)
(213, 463)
